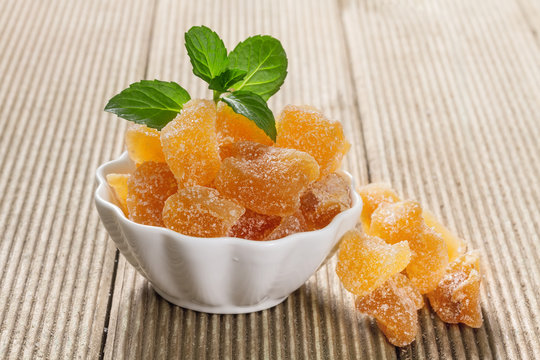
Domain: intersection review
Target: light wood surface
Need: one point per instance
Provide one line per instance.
(440, 98)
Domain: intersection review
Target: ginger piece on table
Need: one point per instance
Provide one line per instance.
(395, 306)
(148, 188)
(266, 179)
(372, 196)
(306, 129)
(254, 226)
(232, 127)
(455, 245)
(366, 262)
(200, 211)
(457, 296)
(143, 144)
(324, 199)
(118, 183)
(403, 221)
(190, 144)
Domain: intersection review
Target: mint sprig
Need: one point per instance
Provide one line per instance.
(244, 79)
(152, 103)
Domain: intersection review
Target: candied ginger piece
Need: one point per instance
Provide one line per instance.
(454, 244)
(324, 199)
(232, 127)
(366, 262)
(254, 226)
(372, 196)
(403, 221)
(395, 307)
(148, 188)
(201, 211)
(306, 129)
(266, 179)
(118, 183)
(457, 297)
(143, 144)
(289, 225)
(190, 144)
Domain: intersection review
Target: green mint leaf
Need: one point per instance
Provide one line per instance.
(264, 60)
(227, 78)
(149, 102)
(206, 51)
(254, 108)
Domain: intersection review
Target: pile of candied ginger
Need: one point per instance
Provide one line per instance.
(400, 253)
(211, 172)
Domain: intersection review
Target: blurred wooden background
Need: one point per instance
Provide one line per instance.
(441, 98)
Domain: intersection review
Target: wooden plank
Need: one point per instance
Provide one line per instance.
(449, 97)
(317, 321)
(60, 60)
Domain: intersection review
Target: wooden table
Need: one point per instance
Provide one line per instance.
(441, 98)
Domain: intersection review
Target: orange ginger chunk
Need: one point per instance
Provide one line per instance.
(148, 188)
(457, 296)
(118, 183)
(254, 226)
(372, 196)
(232, 127)
(190, 144)
(454, 244)
(395, 306)
(201, 211)
(403, 221)
(324, 199)
(289, 225)
(306, 129)
(143, 144)
(366, 262)
(266, 179)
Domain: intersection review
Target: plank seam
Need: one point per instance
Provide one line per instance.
(109, 307)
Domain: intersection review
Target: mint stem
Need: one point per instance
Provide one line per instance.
(216, 96)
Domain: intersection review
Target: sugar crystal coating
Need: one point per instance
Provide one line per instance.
(190, 144)
(324, 199)
(366, 262)
(307, 129)
(457, 296)
(118, 183)
(201, 211)
(372, 196)
(403, 221)
(148, 188)
(143, 144)
(254, 226)
(289, 225)
(394, 305)
(232, 127)
(266, 179)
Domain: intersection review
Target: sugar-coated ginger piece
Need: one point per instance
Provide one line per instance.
(324, 199)
(148, 188)
(457, 297)
(254, 226)
(403, 221)
(372, 196)
(454, 244)
(395, 306)
(201, 211)
(266, 179)
(366, 262)
(143, 144)
(232, 127)
(190, 144)
(289, 225)
(307, 129)
(118, 183)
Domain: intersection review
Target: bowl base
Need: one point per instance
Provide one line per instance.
(224, 309)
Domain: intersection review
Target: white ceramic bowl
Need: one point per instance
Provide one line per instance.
(218, 275)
